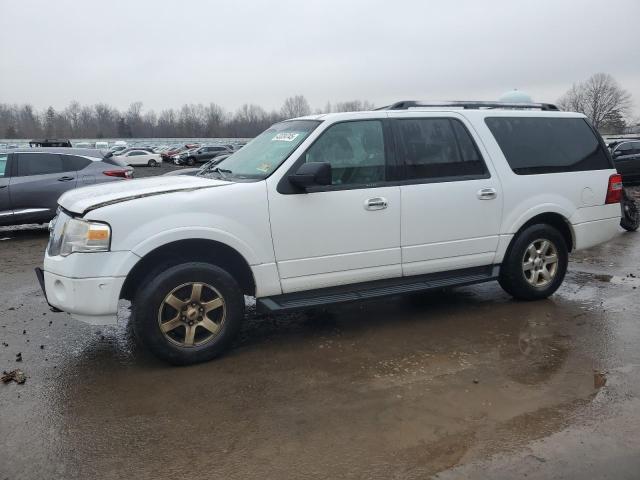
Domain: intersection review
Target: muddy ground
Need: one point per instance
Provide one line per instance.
(462, 384)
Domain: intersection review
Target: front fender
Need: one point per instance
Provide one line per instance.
(191, 233)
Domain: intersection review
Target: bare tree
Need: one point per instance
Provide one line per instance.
(600, 98)
(295, 107)
(353, 106)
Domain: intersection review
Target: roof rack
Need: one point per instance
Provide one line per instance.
(475, 105)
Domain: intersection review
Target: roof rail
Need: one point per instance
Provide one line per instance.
(475, 105)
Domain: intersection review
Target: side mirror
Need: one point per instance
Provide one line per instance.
(617, 153)
(310, 174)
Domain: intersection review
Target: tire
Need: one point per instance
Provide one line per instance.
(528, 281)
(191, 161)
(152, 163)
(630, 220)
(153, 307)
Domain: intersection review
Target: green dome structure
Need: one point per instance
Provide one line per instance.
(516, 96)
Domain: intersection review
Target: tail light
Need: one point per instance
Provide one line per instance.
(122, 173)
(614, 190)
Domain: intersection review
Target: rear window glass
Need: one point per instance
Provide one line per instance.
(534, 145)
(39, 164)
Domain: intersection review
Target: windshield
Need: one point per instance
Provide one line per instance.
(260, 157)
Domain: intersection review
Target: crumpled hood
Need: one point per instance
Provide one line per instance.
(85, 199)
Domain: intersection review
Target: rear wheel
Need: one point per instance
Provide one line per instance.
(535, 264)
(630, 220)
(188, 313)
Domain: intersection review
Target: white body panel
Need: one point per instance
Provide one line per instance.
(331, 232)
(296, 242)
(141, 159)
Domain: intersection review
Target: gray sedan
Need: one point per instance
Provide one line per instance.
(32, 179)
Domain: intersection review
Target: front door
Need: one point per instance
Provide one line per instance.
(451, 198)
(343, 233)
(40, 180)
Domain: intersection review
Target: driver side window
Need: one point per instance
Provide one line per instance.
(355, 151)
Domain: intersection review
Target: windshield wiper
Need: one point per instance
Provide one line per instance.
(220, 171)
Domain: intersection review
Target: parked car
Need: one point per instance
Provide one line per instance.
(102, 145)
(50, 142)
(140, 158)
(626, 157)
(85, 145)
(203, 154)
(198, 170)
(130, 149)
(31, 180)
(175, 150)
(336, 208)
(117, 149)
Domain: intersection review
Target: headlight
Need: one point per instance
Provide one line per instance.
(83, 236)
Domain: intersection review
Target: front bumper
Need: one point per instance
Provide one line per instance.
(90, 300)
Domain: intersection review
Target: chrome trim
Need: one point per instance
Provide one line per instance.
(6, 213)
(30, 210)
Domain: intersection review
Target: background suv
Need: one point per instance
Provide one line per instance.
(626, 157)
(203, 154)
(32, 179)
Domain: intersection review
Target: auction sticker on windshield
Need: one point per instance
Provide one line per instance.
(285, 137)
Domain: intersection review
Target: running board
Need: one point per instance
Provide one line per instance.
(378, 288)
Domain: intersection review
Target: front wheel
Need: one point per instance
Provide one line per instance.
(535, 264)
(153, 163)
(188, 313)
(191, 161)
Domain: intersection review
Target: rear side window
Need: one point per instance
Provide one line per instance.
(438, 148)
(73, 162)
(535, 145)
(39, 164)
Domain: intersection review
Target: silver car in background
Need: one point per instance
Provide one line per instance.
(32, 179)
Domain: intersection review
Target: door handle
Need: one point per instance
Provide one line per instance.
(487, 193)
(65, 179)
(376, 203)
(3, 186)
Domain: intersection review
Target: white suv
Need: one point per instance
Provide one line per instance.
(333, 208)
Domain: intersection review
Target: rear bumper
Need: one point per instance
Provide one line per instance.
(90, 300)
(589, 234)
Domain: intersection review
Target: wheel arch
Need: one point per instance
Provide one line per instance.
(554, 219)
(188, 250)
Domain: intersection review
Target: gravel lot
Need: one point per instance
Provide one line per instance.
(462, 384)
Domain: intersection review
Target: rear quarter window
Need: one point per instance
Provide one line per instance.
(536, 145)
(73, 162)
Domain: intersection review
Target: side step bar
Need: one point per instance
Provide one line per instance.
(378, 288)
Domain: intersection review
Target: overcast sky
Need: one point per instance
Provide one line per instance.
(167, 53)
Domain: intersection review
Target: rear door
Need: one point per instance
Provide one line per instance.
(6, 212)
(451, 199)
(39, 181)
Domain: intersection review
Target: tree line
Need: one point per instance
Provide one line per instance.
(600, 98)
(191, 120)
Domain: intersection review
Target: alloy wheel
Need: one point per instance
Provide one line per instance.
(540, 263)
(192, 314)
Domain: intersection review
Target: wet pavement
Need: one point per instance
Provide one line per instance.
(460, 384)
